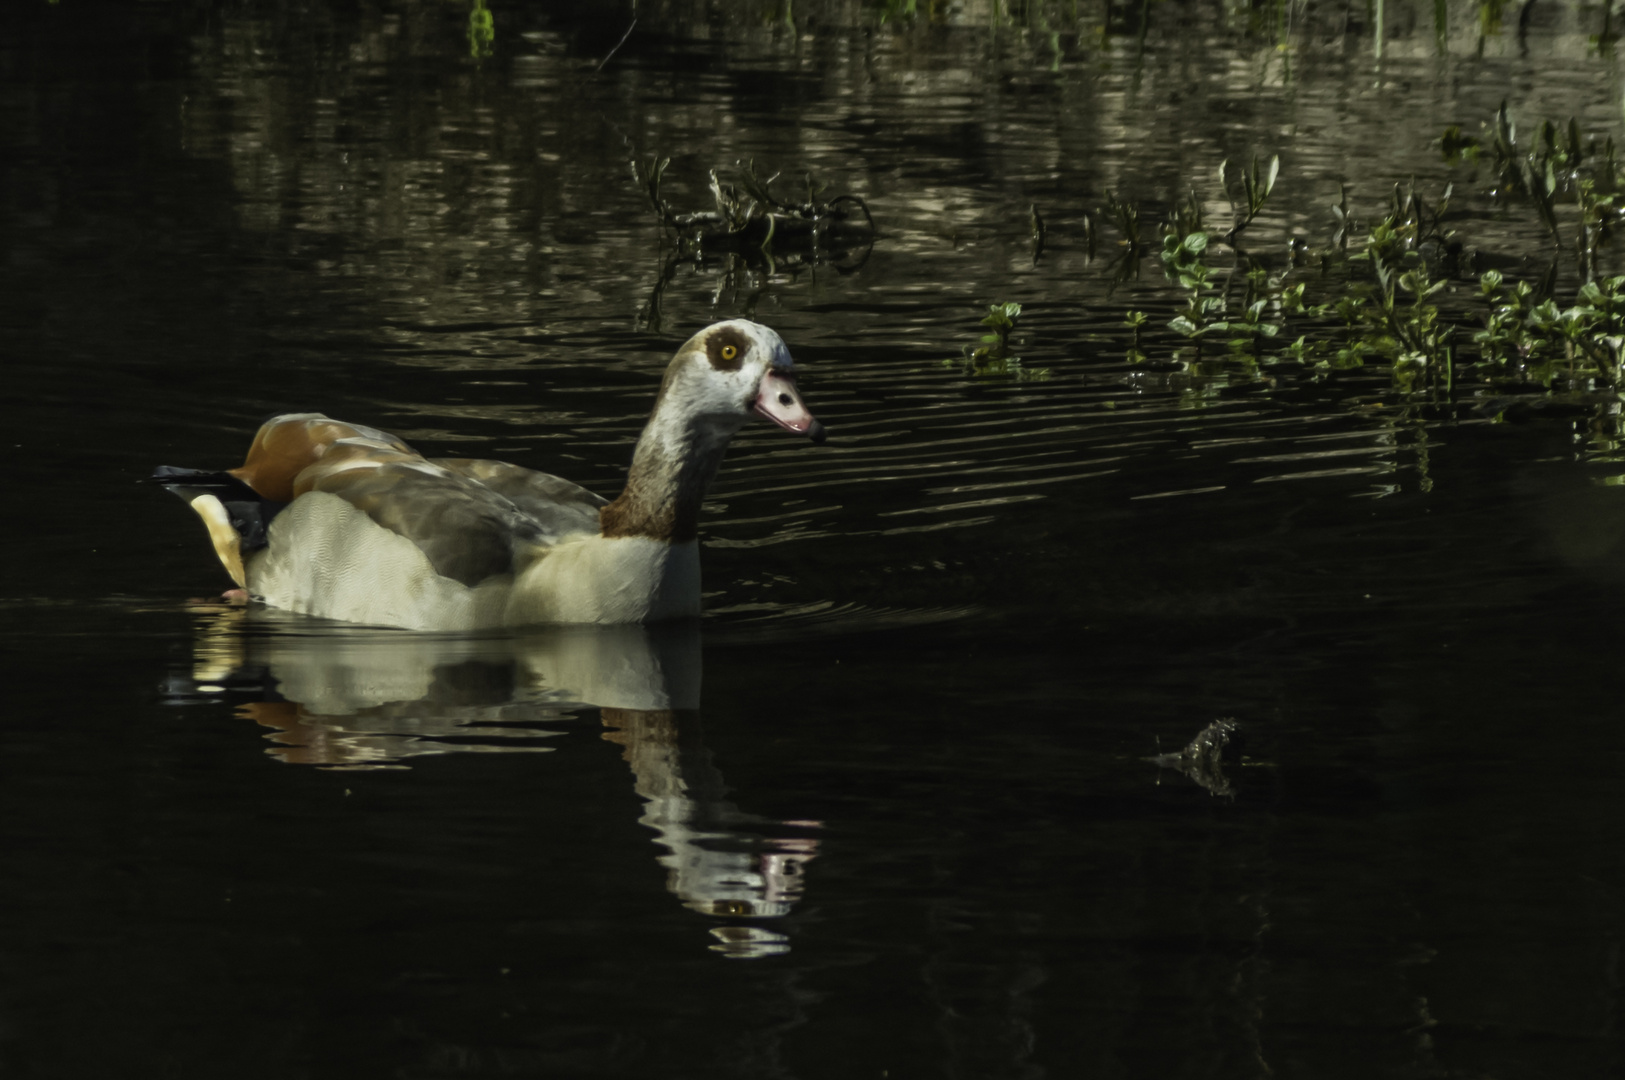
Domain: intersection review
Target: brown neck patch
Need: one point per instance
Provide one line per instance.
(666, 519)
(660, 511)
(665, 488)
(726, 349)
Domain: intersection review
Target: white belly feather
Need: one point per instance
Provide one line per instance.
(329, 559)
(628, 579)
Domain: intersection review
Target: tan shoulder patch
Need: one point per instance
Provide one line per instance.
(287, 445)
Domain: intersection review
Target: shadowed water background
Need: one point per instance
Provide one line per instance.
(887, 811)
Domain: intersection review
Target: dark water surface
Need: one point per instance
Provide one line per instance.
(888, 810)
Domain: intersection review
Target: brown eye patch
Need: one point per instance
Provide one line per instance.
(726, 349)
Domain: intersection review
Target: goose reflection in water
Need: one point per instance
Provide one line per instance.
(341, 697)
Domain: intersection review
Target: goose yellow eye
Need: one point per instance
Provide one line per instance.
(729, 352)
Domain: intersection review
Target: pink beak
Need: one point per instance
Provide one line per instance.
(780, 403)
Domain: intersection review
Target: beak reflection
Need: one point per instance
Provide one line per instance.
(340, 697)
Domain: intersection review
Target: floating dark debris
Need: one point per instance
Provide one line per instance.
(1203, 759)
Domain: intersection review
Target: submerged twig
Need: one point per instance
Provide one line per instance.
(617, 47)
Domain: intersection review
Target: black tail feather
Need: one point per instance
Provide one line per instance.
(250, 514)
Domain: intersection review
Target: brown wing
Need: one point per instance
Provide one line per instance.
(472, 518)
(558, 507)
(469, 532)
(287, 445)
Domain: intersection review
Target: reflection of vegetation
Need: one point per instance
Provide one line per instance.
(1125, 217)
(755, 235)
(749, 217)
(994, 355)
(1254, 192)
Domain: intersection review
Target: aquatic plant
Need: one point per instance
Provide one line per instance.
(1255, 191)
(1185, 244)
(1382, 295)
(1392, 306)
(1536, 340)
(1391, 313)
(482, 31)
(1185, 218)
(1001, 319)
(1340, 211)
(1182, 261)
(994, 356)
(1135, 321)
(1537, 173)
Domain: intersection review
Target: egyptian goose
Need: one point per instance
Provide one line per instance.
(348, 522)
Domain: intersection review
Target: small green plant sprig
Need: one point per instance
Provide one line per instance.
(1255, 191)
(482, 31)
(994, 355)
(1135, 321)
(1182, 261)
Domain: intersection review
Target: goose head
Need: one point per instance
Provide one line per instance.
(717, 382)
(733, 371)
